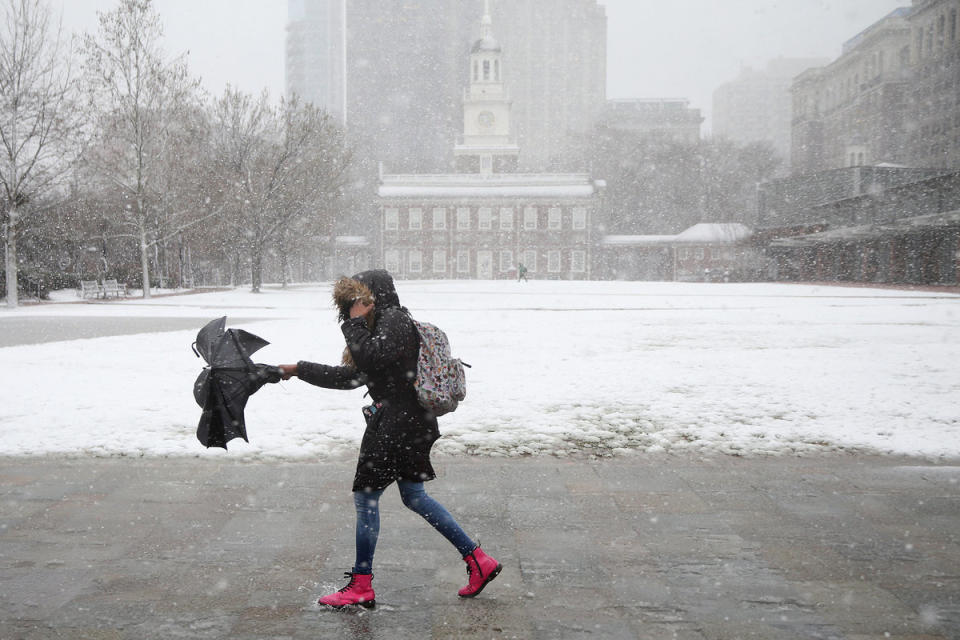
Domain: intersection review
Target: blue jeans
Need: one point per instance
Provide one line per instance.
(414, 498)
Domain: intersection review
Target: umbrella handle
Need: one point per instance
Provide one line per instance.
(194, 347)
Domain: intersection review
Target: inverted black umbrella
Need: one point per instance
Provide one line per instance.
(228, 380)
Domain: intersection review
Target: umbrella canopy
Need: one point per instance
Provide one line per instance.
(224, 386)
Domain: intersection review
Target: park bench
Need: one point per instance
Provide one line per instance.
(114, 288)
(90, 289)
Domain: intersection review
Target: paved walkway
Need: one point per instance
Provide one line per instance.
(647, 547)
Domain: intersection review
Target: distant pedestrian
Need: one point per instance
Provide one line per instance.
(521, 273)
(382, 350)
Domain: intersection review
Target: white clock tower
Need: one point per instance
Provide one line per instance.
(487, 146)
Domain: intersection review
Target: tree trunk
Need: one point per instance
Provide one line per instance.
(284, 263)
(256, 268)
(11, 259)
(144, 256)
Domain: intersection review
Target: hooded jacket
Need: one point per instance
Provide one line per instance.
(381, 353)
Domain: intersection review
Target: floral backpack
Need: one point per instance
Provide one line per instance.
(441, 380)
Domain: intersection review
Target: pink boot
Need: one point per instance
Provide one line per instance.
(482, 569)
(358, 591)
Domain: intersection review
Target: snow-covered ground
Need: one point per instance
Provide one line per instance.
(604, 367)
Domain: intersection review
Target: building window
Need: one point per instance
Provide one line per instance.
(530, 218)
(698, 253)
(553, 261)
(530, 260)
(439, 260)
(439, 218)
(579, 218)
(391, 219)
(578, 261)
(486, 70)
(391, 260)
(486, 163)
(463, 218)
(496, 71)
(484, 214)
(415, 260)
(476, 71)
(683, 253)
(416, 219)
(506, 260)
(506, 218)
(953, 25)
(553, 220)
(463, 261)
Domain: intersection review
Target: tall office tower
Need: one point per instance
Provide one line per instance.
(757, 105)
(555, 55)
(406, 65)
(314, 56)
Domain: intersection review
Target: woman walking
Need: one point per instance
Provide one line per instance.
(382, 349)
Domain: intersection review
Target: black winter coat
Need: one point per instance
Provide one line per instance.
(398, 437)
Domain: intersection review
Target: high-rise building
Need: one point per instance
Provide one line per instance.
(934, 98)
(756, 106)
(402, 67)
(314, 56)
(852, 112)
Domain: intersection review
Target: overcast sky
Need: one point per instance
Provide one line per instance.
(670, 48)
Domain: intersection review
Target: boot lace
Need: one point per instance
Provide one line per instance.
(471, 565)
(353, 579)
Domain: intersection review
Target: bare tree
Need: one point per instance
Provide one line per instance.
(276, 165)
(36, 118)
(136, 97)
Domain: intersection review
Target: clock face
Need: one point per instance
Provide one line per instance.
(485, 119)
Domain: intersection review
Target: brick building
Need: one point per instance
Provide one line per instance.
(485, 221)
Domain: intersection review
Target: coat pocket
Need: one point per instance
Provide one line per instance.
(372, 414)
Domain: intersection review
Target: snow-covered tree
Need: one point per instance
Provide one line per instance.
(36, 119)
(276, 165)
(137, 97)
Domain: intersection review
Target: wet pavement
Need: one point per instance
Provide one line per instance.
(20, 330)
(645, 547)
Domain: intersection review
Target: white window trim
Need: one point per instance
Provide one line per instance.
(391, 219)
(416, 214)
(581, 257)
(439, 219)
(419, 260)
(463, 218)
(506, 259)
(554, 261)
(506, 218)
(530, 218)
(579, 218)
(391, 260)
(485, 215)
(555, 218)
(530, 260)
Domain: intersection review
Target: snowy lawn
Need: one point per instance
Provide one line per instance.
(558, 367)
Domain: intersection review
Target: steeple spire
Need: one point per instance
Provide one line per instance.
(485, 24)
(487, 145)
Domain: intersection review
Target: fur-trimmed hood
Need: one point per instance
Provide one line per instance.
(374, 286)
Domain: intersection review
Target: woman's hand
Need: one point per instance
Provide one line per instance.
(359, 309)
(287, 371)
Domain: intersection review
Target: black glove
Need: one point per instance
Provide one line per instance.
(269, 372)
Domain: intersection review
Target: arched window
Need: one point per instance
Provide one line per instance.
(486, 70)
(476, 71)
(496, 71)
